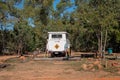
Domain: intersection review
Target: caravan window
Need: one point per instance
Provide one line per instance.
(57, 36)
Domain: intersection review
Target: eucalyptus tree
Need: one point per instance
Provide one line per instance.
(39, 11)
(98, 17)
(6, 9)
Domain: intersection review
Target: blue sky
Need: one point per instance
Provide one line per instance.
(68, 10)
(30, 20)
(55, 3)
(21, 5)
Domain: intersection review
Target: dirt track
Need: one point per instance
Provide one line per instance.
(51, 70)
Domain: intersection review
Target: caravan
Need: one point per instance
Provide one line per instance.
(58, 43)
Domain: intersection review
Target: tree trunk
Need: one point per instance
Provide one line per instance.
(20, 47)
(3, 42)
(101, 46)
(105, 43)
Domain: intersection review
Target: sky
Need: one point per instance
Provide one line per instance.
(55, 3)
(21, 5)
(68, 10)
(30, 20)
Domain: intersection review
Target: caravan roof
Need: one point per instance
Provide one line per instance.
(57, 32)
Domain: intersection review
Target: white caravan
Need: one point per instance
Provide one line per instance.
(57, 43)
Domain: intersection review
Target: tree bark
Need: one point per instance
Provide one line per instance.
(20, 47)
(101, 45)
(3, 43)
(105, 43)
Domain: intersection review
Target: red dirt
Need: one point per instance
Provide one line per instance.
(50, 70)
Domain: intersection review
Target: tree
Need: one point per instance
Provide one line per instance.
(93, 25)
(99, 16)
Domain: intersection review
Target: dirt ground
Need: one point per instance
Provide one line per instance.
(49, 70)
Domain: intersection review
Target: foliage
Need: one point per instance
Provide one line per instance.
(85, 24)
